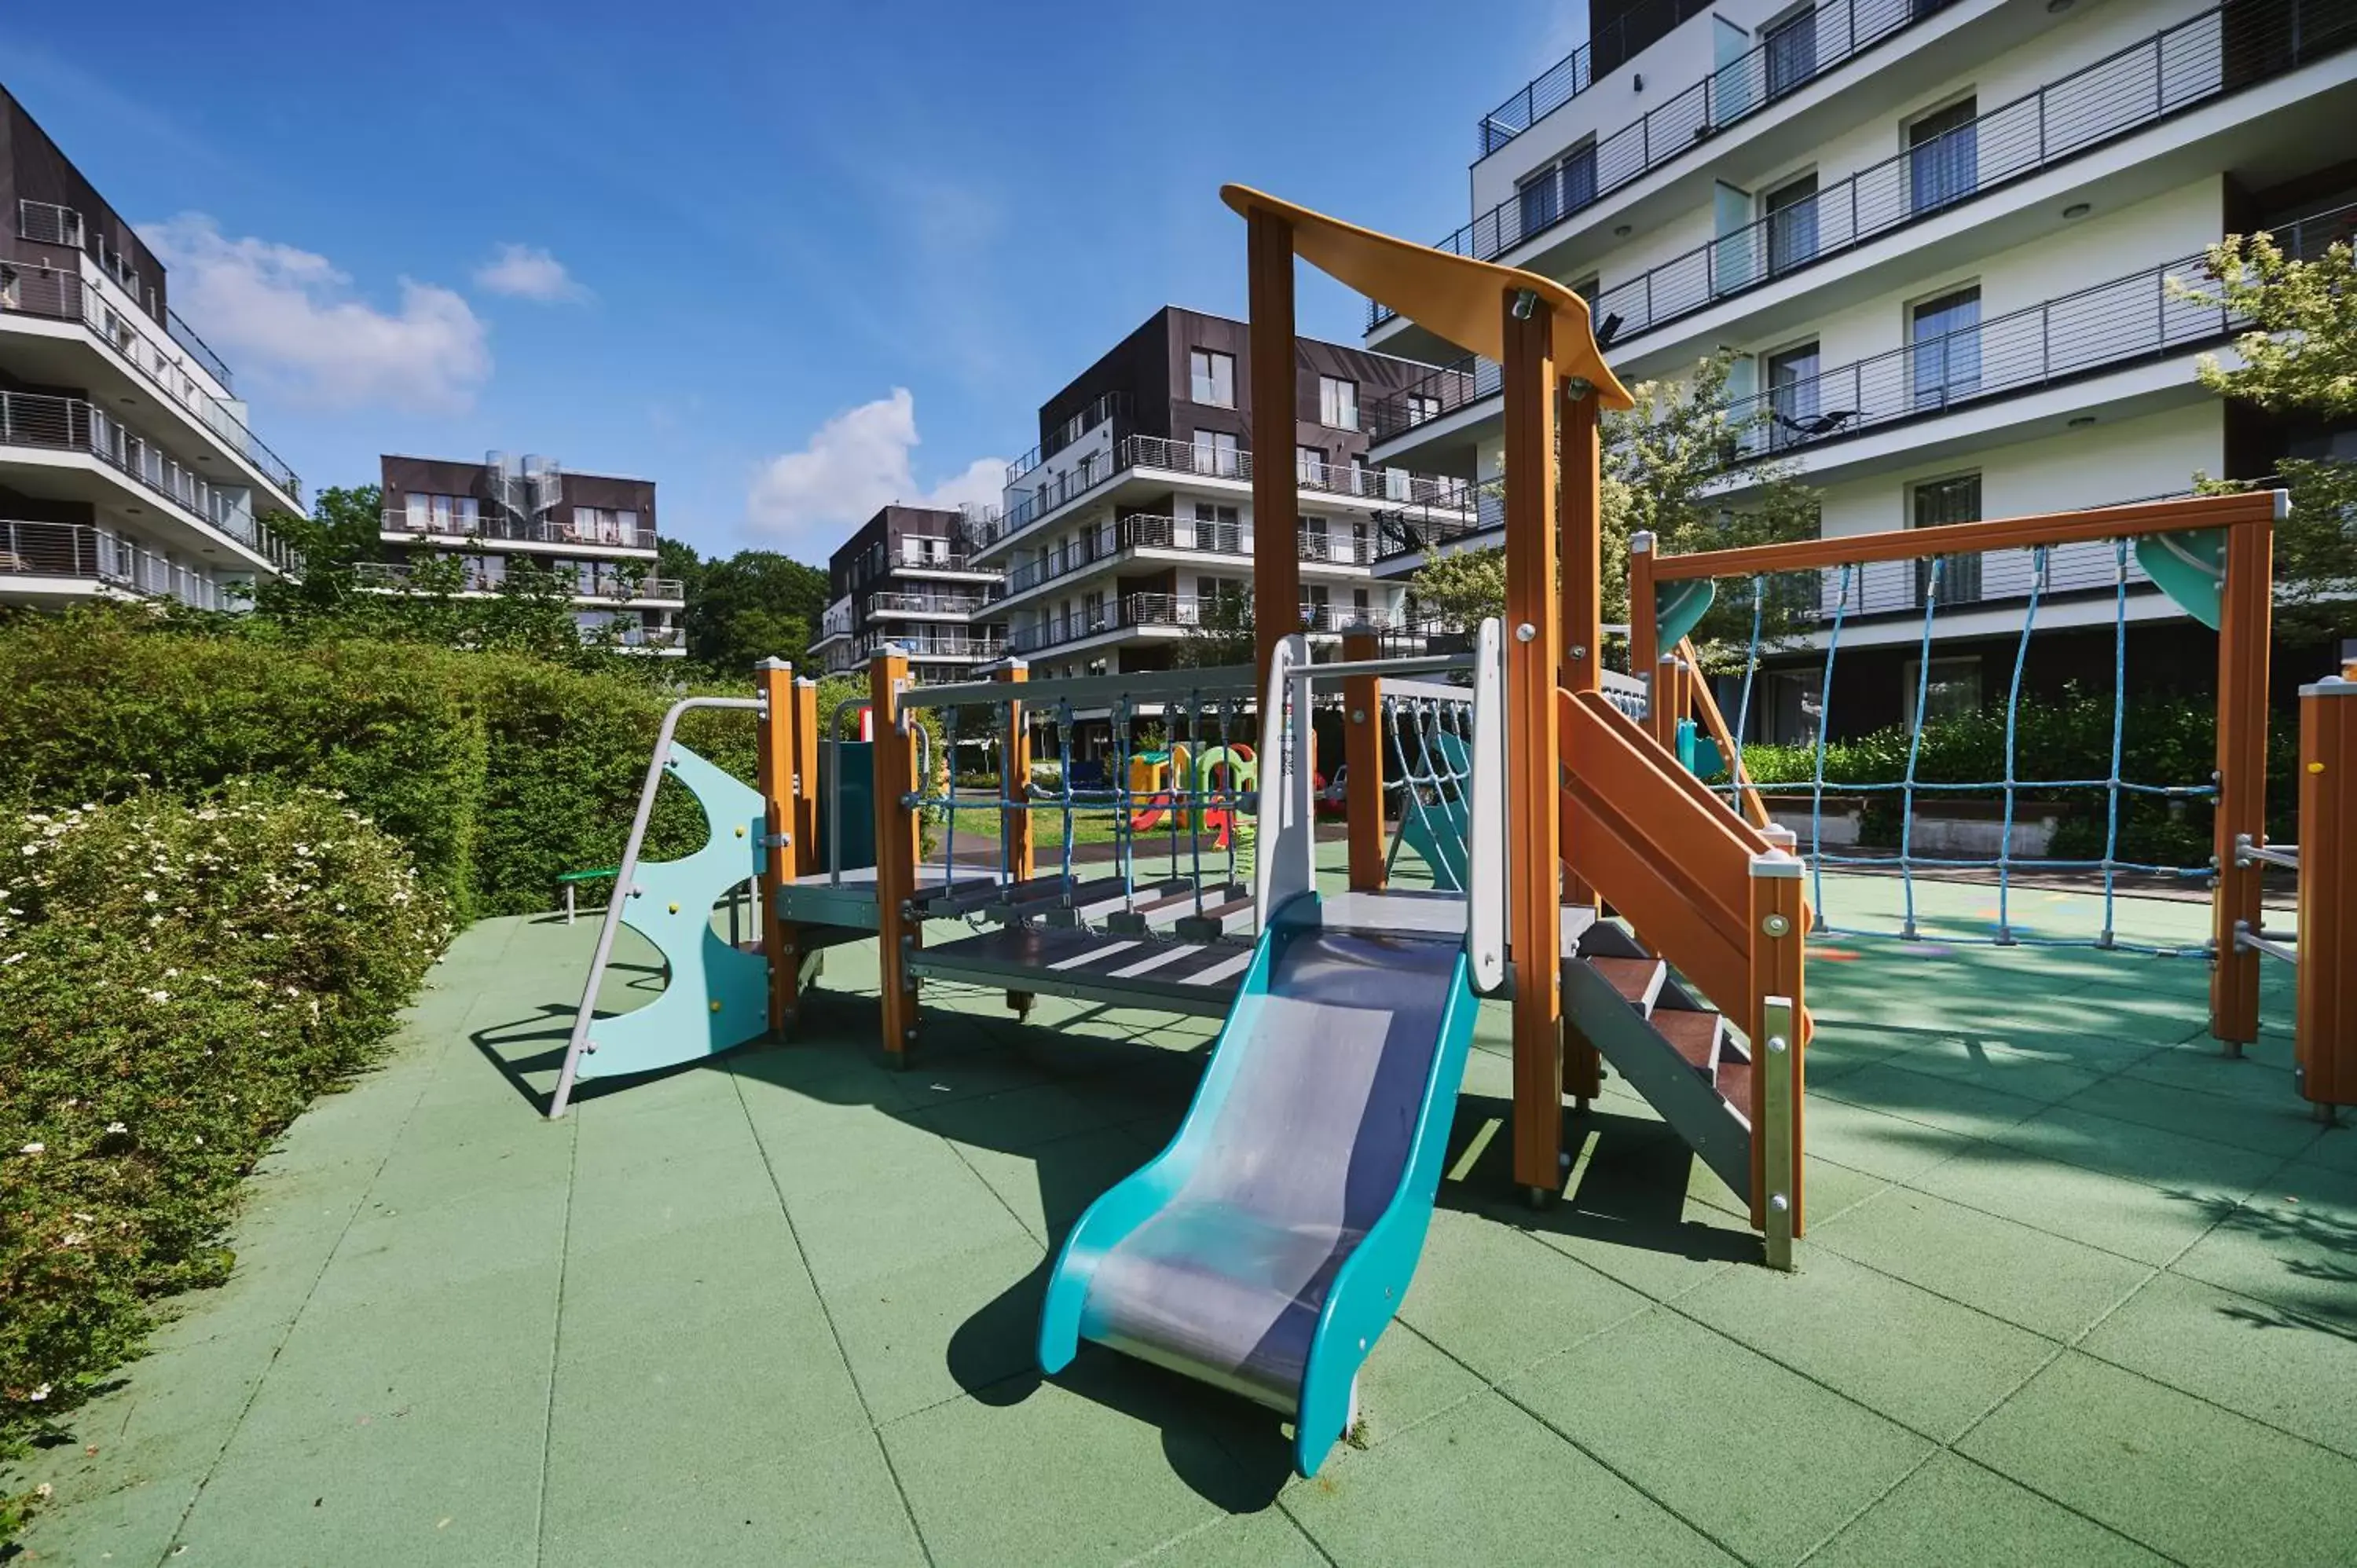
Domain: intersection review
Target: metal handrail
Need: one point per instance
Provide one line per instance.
(49, 223)
(489, 523)
(32, 548)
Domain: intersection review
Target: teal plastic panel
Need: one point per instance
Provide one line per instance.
(2190, 567)
(1678, 608)
(715, 996)
(856, 791)
(1440, 830)
(1697, 752)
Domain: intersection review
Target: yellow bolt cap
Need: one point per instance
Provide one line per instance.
(675, 908)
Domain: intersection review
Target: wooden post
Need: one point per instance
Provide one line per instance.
(1276, 503)
(808, 761)
(1533, 638)
(774, 767)
(1581, 525)
(897, 930)
(1015, 764)
(1363, 758)
(1774, 1012)
(1645, 637)
(2325, 1026)
(2245, 608)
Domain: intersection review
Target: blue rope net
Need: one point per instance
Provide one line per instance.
(1431, 774)
(2006, 865)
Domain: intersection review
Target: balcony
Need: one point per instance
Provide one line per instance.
(71, 425)
(473, 577)
(477, 525)
(1106, 407)
(1132, 531)
(59, 295)
(1166, 612)
(923, 605)
(1787, 59)
(1418, 530)
(947, 644)
(1207, 462)
(78, 550)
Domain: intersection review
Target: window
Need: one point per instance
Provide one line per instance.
(1218, 453)
(1315, 612)
(1954, 688)
(1937, 502)
(1944, 347)
(1361, 604)
(1792, 46)
(443, 514)
(1309, 465)
(1216, 528)
(1559, 189)
(1212, 376)
(1791, 213)
(1361, 553)
(1337, 402)
(1422, 406)
(1793, 400)
(1942, 158)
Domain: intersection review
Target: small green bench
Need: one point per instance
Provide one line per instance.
(569, 880)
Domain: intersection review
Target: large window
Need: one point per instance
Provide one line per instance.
(1792, 46)
(1216, 528)
(1937, 502)
(1953, 689)
(1791, 213)
(1337, 402)
(1559, 189)
(1309, 465)
(1942, 158)
(1793, 395)
(1422, 406)
(604, 525)
(1944, 347)
(1212, 376)
(1218, 453)
(443, 514)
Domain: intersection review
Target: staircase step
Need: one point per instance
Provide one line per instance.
(1733, 1082)
(1637, 979)
(1694, 1034)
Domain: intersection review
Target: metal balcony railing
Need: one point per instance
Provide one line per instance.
(490, 524)
(1616, 39)
(63, 424)
(924, 604)
(1412, 530)
(185, 337)
(922, 646)
(47, 223)
(65, 295)
(1105, 408)
(644, 636)
(1118, 537)
(74, 550)
(1163, 611)
(2221, 50)
(476, 577)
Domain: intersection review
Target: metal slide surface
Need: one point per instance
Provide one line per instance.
(1266, 1250)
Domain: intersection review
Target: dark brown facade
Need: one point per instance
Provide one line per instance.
(877, 559)
(34, 171)
(402, 476)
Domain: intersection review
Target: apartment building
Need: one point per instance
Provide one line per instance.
(127, 466)
(1937, 239)
(595, 531)
(906, 578)
(1122, 532)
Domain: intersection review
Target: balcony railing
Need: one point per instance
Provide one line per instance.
(1105, 408)
(47, 223)
(29, 548)
(1164, 611)
(949, 561)
(64, 295)
(1396, 485)
(64, 424)
(1617, 39)
(1142, 530)
(185, 337)
(944, 646)
(924, 605)
(641, 635)
(492, 525)
(1412, 530)
(475, 577)
(2158, 76)
(2231, 46)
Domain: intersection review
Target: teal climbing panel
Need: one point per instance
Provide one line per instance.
(1439, 829)
(2190, 567)
(715, 996)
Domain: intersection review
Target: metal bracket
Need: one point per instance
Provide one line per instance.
(1779, 1022)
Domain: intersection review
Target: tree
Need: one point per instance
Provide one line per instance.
(2298, 360)
(1221, 634)
(756, 605)
(1676, 466)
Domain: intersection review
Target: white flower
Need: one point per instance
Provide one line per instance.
(152, 896)
(40, 1393)
(159, 996)
(116, 1127)
(32, 1148)
(72, 1239)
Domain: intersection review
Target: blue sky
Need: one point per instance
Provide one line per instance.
(788, 264)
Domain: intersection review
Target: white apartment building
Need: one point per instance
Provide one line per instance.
(1122, 533)
(127, 467)
(1937, 239)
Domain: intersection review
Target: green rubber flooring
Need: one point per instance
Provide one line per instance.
(2077, 1289)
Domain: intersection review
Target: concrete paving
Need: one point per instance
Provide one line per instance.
(2076, 1288)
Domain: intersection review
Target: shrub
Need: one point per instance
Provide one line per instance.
(179, 980)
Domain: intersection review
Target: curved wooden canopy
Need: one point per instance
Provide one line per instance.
(1455, 296)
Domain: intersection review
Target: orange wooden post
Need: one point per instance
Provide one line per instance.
(1362, 757)
(2245, 608)
(1580, 658)
(2325, 1026)
(897, 930)
(1534, 638)
(808, 763)
(1015, 764)
(1775, 1025)
(776, 769)
(1276, 503)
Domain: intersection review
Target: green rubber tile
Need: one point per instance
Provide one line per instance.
(2028, 1074)
(678, 1280)
(2281, 1130)
(2186, 1478)
(678, 1408)
(1960, 1515)
(1048, 1187)
(2149, 1224)
(2256, 1359)
(2293, 1244)
(1496, 1299)
(1627, 1214)
(2336, 1148)
(420, 1173)
(1949, 1103)
(621, 1208)
(2200, 1067)
(172, 1415)
(2130, 1150)
(816, 1149)
(1485, 1483)
(943, 1079)
(1110, 1461)
(948, 1326)
(1841, 1048)
(1013, 1121)
(830, 1503)
(389, 1256)
(1827, 1189)
(1268, 1539)
(137, 1522)
(278, 1261)
(1874, 1142)
(1922, 1360)
(1642, 1397)
(2029, 1277)
(860, 1233)
(1407, 1379)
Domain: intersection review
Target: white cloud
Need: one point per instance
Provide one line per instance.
(853, 465)
(529, 271)
(290, 317)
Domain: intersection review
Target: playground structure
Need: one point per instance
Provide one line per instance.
(1236, 1255)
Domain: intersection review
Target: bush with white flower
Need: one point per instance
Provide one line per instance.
(179, 981)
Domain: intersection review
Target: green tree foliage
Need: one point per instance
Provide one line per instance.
(1668, 469)
(1221, 634)
(2298, 360)
(755, 604)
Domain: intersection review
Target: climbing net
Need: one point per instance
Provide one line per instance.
(2112, 788)
(1428, 730)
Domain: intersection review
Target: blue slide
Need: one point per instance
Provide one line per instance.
(1266, 1250)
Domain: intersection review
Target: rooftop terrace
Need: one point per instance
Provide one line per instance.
(2075, 1289)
